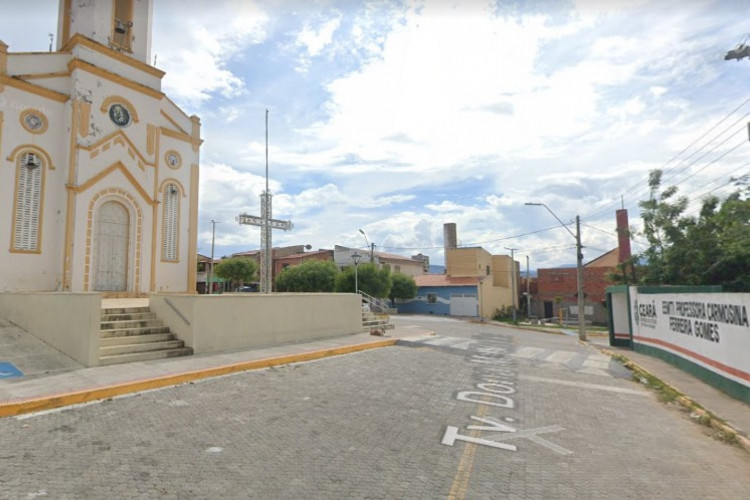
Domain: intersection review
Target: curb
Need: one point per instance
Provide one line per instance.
(8, 409)
(697, 413)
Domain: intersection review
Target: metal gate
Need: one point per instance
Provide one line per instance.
(111, 239)
(464, 304)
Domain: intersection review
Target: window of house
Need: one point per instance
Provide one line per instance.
(431, 298)
(488, 270)
(397, 268)
(170, 215)
(26, 227)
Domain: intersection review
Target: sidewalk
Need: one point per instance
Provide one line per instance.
(733, 412)
(69, 383)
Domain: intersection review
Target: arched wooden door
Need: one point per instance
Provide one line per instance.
(111, 243)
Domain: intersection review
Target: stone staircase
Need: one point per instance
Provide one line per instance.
(136, 334)
(376, 323)
(375, 315)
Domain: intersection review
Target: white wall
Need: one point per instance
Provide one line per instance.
(710, 330)
(214, 323)
(69, 322)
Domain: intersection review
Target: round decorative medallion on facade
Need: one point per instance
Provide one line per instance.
(173, 159)
(34, 121)
(119, 114)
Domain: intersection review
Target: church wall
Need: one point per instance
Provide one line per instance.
(26, 63)
(40, 269)
(107, 63)
(92, 160)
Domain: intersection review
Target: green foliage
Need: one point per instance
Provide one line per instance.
(712, 248)
(308, 276)
(403, 287)
(504, 314)
(370, 279)
(237, 270)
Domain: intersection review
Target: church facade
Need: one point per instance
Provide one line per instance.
(99, 169)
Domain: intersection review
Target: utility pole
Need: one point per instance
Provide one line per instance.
(514, 293)
(211, 267)
(579, 265)
(581, 312)
(528, 295)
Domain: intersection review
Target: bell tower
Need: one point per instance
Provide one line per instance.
(122, 25)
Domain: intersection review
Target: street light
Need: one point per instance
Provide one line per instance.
(372, 249)
(579, 266)
(355, 258)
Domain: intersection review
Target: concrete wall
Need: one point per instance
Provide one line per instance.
(706, 334)
(214, 323)
(69, 322)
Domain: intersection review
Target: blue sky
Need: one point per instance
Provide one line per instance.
(397, 117)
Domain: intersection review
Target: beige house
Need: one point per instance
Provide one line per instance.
(98, 167)
(494, 272)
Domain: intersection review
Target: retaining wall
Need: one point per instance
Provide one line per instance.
(215, 323)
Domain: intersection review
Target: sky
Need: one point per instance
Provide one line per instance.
(395, 117)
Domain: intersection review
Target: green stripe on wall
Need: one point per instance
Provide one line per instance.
(734, 389)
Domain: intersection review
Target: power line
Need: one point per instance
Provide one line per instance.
(635, 187)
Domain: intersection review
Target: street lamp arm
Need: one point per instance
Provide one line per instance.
(553, 215)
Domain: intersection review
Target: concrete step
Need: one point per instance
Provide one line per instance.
(140, 347)
(127, 332)
(125, 310)
(145, 323)
(136, 339)
(145, 356)
(128, 316)
(385, 326)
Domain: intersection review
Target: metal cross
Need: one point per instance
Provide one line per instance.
(266, 224)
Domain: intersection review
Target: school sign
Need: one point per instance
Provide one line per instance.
(699, 329)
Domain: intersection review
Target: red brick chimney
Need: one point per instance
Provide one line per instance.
(623, 235)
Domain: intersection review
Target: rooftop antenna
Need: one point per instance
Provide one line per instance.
(155, 59)
(51, 37)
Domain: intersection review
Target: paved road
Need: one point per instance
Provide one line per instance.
(476, 411)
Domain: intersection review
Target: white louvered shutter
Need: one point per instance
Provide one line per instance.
(28, 202)
(169, 223)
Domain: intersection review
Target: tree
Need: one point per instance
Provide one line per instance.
(403, 287)
(309, 276)
(660, 214)
(237, 270)
(712, 248)
(370, 279)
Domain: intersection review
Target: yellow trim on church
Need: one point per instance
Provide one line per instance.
(75, 64)
(84, 41)
(32, 88)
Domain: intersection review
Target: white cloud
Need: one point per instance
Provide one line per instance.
(200, 41)
(313, 41)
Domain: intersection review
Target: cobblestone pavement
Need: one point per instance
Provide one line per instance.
(477, 411)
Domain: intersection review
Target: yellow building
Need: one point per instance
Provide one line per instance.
(497, 284)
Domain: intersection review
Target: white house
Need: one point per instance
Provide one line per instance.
(98, 167)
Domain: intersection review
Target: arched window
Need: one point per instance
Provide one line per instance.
(169, 223)
(27, 208)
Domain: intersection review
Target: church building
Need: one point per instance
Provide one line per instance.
(98, 167)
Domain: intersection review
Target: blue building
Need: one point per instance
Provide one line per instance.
(443, 295)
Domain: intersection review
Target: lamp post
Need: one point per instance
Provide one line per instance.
(355, 258)
(579, 266)
(370, 248)
(211, 267)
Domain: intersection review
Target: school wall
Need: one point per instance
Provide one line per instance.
(706, 334)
